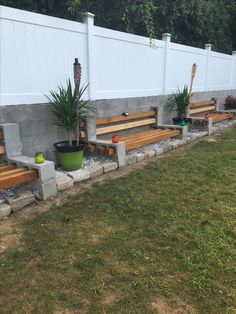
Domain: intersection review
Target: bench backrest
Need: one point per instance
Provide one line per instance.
(125, 122)
(202, 106)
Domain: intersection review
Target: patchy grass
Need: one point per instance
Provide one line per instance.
(159, 240)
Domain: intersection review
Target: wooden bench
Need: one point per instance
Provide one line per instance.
(10, 175)
(199, 109)
(134, 130)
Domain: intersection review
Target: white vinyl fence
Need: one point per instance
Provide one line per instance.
(37, 54)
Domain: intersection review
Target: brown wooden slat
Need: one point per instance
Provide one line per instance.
(7, 167)
(203, 109)
(18, 178)
(12, 172)
(155, 133)
(125, 126)
(202, 103)
(139, 134)
(121, 118)
(3, 164)
(2, 149)
(220, 117)
(153, 139)
(110, 151)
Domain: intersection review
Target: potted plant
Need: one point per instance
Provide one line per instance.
(230, 103)
(68, 106)
(179, 102)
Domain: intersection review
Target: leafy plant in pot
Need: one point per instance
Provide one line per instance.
(69, 107)
(179, 101)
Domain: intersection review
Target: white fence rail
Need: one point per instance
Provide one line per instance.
(37, 53)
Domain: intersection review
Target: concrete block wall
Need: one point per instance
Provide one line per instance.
(38, 131)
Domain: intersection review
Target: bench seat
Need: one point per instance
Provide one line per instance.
(141, 138)
(216, 116)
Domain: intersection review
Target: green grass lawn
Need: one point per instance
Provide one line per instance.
(159, 240)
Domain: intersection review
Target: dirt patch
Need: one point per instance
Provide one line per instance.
(161, 306)
(110, 298)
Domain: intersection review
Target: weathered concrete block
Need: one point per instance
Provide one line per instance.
(46, 190)
(160, 151)
(64, 183)
(79, 175)
(131, 159)
(168, 147)
(18, 202)
(13, 143)
(109, 166)
(141, 156)
(96, 171)
(151, 153)
(5, 210)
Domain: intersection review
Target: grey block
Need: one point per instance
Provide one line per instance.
(160, 151)
(109, 166)
(79, 175)
(18, 202)
(64, 183)
(121, 154)
(12, 140)
(46, 190)
(131, 159)
(151, 153)
(5, 210)
(96, 171)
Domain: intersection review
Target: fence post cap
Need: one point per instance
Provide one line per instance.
(234, 53)
(165, 36)
(89, 15)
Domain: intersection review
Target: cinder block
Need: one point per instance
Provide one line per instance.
(12, 140)
(131, 159)
(79, 175)
(96, 171)
(46, 190)
(140, 156)
(109, 166)
(5, 210)
(18, 202)
(64, 183)
(151, 153)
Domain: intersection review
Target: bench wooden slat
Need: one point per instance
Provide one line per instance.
(18, 178)
(6, 168)
(122, 118)
(3, 164)
(202, 103)
(126, 137)
(147, 135)
(12, 172)
(125, 126)
(152, 139)
(203, 109)
(219, 117)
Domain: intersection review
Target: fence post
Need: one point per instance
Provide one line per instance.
(89, 21)
(166, 37)
(233, 69)
(208, 48)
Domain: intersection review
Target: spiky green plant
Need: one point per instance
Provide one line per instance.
(179, 101)
(65, 105)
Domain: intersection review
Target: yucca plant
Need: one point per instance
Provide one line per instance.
(179, 101)
(68, 106)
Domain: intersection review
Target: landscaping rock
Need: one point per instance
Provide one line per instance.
(160, 151)
(64, 183)
(18, 202)
(131, 159)
(5, 211)
(109, 166)
(96, 171)
(151, 153)
(79, 175)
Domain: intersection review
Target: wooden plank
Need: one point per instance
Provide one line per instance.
(220, 117)
(12, 172)
(91, 148)
(139, 134)
(110, 151)
(203, 109)
(7, 167)
(125, 126)
(157, 132)
(101, 150)
(152, 139)
(3, 164)
(18, 178)
(202, 103)
(2, 149)
(121, 118)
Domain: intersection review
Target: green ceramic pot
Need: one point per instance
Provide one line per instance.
(70, 158)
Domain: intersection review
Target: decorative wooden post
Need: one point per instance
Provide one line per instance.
(77, 80)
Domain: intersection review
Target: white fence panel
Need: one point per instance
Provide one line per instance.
(37, 53)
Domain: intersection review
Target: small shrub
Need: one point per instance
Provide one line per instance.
(230, 102)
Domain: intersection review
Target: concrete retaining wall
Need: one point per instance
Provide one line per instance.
(38, 132)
